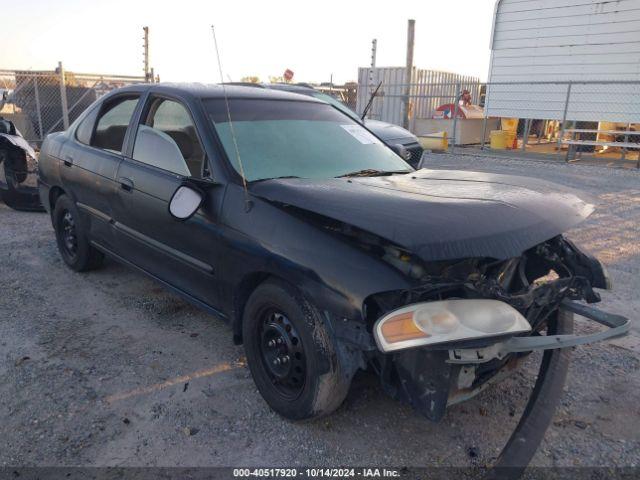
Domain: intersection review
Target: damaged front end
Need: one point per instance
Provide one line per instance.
(458, 324)
(470, 322)
(18, 170)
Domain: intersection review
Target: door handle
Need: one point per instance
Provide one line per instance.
(68, 160)
(126, 183)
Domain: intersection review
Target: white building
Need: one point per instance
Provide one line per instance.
(565, 41)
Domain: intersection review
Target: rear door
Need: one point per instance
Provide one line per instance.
(90, 160)
(181, 253)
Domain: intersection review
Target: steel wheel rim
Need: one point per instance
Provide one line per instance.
(68, 234)
(282, 354)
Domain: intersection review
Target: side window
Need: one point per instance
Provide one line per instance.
(113, 123)
(170, 121)
(85, 129)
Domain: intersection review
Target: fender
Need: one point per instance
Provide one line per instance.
(337, 275)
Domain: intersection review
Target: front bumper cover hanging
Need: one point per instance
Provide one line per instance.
(539, 411)
(618, 326)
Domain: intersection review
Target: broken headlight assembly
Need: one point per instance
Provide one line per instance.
(479, 310)
(447, 321)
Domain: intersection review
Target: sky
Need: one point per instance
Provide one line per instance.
(263, 38)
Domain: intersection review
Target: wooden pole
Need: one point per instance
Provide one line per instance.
(411, 27)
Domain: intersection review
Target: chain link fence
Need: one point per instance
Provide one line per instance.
(588, 120)
(568, 120)
(42, 102)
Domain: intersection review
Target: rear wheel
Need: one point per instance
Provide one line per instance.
(291, 355)
(73, 244)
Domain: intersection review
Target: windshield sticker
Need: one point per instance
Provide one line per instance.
(360, 134)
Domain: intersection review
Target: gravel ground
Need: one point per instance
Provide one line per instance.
(108, 369)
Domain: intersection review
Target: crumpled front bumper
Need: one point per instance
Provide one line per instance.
(617, 326)
(430, 379)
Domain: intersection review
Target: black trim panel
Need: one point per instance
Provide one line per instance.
(163, 248)
(150, 242)
(95, 212)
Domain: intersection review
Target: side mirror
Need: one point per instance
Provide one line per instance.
(185, 202)
(401, 151)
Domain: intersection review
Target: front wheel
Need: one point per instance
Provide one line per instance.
(291, 355)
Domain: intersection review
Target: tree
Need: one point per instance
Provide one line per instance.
(250, 79)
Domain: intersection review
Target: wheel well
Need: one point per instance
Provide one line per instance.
(242, 293)
(54, 194)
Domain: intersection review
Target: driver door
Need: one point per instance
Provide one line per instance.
(167, 152)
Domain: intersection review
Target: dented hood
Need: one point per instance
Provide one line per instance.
(440, 214)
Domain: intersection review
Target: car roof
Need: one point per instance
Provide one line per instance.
(202, 90)
(287, 87)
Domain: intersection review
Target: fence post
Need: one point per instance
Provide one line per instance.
(39, 110)
(564, 118)
(63, 98)
(525, 134)
(455, 114)
(409, 68)
(626, 140)
(485, 113)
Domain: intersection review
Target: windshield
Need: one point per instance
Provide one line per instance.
(283, 138)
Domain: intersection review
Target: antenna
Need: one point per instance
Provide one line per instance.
(231, 129)
(370, 102)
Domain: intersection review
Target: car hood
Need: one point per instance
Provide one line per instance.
(388, 131)
(440, 214)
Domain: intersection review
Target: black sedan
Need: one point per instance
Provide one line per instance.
(323, 249)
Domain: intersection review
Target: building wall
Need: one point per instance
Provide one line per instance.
(565, 41)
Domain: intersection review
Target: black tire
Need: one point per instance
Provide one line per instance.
(275, 311)
(73, 244)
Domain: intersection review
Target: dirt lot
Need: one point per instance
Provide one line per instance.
(107, 368)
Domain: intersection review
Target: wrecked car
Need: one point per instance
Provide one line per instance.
(324, 250)
(18, 168)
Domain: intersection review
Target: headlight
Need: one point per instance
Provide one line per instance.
(443, 321)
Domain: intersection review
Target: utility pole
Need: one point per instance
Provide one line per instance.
(63, 97)
(374, 49)
(411, 27)
(148, 76)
